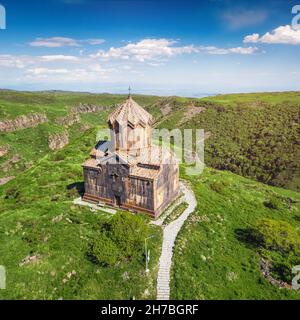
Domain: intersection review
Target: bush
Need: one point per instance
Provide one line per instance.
(12, 193)
(121, 238)
(219, 186)
(59, 156)
(104, 250)
(273, 203)
(278, 235)
(128, 232)
(281, 265)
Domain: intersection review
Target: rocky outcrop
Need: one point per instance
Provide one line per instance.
(7, 165)
(57, 141)
(191, 112)
(88, 108)
(166, 109)
(265, 267)
(5, 180)
(4, 150)
(22, 122)
(74, 116)
(69, 120)
(35, 258)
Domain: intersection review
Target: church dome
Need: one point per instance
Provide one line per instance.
(130, 113)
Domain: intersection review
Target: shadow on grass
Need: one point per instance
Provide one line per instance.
(297, 218)
(248, 237)
(76, 188)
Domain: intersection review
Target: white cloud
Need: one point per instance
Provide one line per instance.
(145, 50)
(242, 50)
(71, 75)
(148, 50)
(281, 35)
(18, 62)
(93, 42)
(22, 61)
(54, 69)
(155, 64)
(129, 62)
(46, 71)
(59, 58)
(223, 51)
(54, 42)
(252, 38)
(57, 42)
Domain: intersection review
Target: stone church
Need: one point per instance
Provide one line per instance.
(129, 171)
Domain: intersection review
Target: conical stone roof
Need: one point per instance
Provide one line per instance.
(130, 113)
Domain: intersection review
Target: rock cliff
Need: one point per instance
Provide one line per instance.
(57, 141)
(89, 108)
(22, 122)
(4, 150)
(69, 120)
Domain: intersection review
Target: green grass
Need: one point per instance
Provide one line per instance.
(256, 99)
(32, 144)
(37, 217)
(210, 253)
(254, 135)
(176, 213)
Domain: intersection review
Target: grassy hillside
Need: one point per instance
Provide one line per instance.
(253, 135)
(38, 220)
(214, 253)
(27, 146)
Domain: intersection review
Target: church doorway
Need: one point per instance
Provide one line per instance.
(117, 200)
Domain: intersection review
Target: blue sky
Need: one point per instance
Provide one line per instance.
(160, 47)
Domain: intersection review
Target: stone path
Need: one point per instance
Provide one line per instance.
(94, 207)
(169, 236)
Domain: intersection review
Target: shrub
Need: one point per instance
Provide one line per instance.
(281, 265)
(273, 203)
(12, 193)
(121, 238)
(128, 232)
(59, 156)
(278, 235)
(219, 186)
(104, 250)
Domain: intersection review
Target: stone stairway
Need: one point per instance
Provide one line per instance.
(169, 236)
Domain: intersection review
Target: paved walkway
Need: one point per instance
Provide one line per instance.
(94, 207)
(169, 237)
